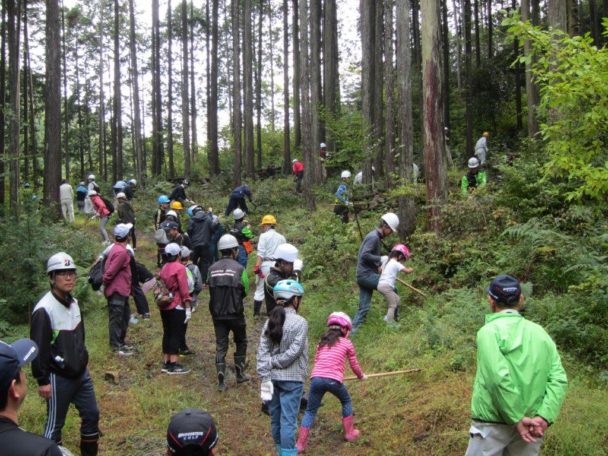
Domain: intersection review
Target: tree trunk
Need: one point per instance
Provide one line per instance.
(170, 150)
(434, 145)
(368, 90)
(258, 85)
(477, 34)
(136, 130)
(185, 90)
(193, 110)
(32, 118)
(13, 8)
(517, 69)
(286, 138)
(531, 89)
(297, 122)
(446, 62)
(214, 165)
(407, 204)
(315, 92)
(468, 76)
(558, 14)
(117, 140)
(26, 71)
(236, 90)
(157, 123)
(2, 106)
(52, 109)
(102, 102)
(378, 83)
(490, 29)
(305, 76)
(79, 114)
(389, 76)
(331, 78)
(66, 125)
(458, 32)
(248, 89)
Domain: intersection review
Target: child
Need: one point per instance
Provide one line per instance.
(328, 375)
(282, 360)
(342, 203)
(195, 286)
(386, 285)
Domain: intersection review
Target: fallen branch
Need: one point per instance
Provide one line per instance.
(387, 374)
(411, 287)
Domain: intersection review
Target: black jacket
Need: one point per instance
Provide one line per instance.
(14, 441)
(178, 194)
(226, 289)
(200, 229)
(274, 276)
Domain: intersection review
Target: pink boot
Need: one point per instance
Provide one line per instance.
(302, 442)
(350, 433)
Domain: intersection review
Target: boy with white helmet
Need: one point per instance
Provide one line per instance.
(285, 255)
(475, 178)
(241, 230)
(61, 366)
(269, 240)
(342, 203)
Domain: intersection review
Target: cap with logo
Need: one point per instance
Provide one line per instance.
(12, 358)
(505, 289)
(191, 432)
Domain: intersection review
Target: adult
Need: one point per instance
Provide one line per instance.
(241, 230)
(358, 180)
(269, 240)
(192, 432)
(228, 285)
(200, 231)
(342, 196)
(285, 256)
(474, 178)
(237, 199)
(369, 262)
(173, 234)
(179, 192)
(81, 194)
(481, 148)
(520, 383)
(161, 212)
(13, 389)
(66, 197)
(91, 185)
(117, 278)
(101, 211)
(282, 364)
(323, 156)
(178, 312)
(129, 189)
(126, 214)
(61, 367)
(297, 168)
(119, 186)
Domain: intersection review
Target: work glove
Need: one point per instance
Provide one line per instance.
(266, 391)
(188, 315)
(363, 378)
(258, 272)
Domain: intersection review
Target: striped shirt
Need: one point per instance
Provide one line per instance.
(287, 361)
(268, 243)
(329, 361)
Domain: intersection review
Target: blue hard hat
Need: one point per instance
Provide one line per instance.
(163, 199)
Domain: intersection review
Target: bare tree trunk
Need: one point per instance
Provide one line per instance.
(236, 90)
(32, 118)
(477, 33)
(558, 14)
(378, 84)
(368, 33)
(407, 204)
(297, 122)
(468, 75)
(434, 145)
(79, 114)
(13, 8)
(157, 120)
(517, 69)
(316, 94)
(193, 110)
(286, 139)
(258, 85)
(66, 125)
(170, 150)
(102, 102)
(185, 90)
(531, 89)
(2, 106)
(456, 9)
(490, 30)
(136, 130)
(213, 154)
(52, 109)
(248, 88)
(26, 71)
(331, 79)
(389, 76)
(446, 64)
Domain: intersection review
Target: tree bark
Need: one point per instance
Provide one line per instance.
(213, 153)
(157, 122)
(315, 89)
(271, 41)
(297, 122)
(193, 109)
(389, 76)
(102, 103)
(26, 71)
(305, 76)
(236, 90)
(117, 146)
(434, 145)
(286, 127)
(477, 34)
(170, 149)
(558, 14)
(136, 130)
(258, 85)
(368, 89)
(331, 78)
(3, 106)
(185, 90)
(378, 84)
(446, 62)
(13, 8)
(248, 89)
(490, 30)
(66, 125)
(468, 76)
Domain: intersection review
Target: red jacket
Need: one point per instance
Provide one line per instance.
(117, 271)
(176, 279)
(100, 206)
(297, 167)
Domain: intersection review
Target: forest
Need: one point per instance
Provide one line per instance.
(230, 92)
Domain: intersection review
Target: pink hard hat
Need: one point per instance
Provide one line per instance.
(340, 319)
(403, 249)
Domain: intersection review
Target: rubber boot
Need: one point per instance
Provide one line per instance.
(289, 452)
(302, 442)
(257, 305)
(89, 447)
(239, 367)
(350, 433)
(221, 376)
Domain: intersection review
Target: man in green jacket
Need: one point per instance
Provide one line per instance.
(520, 383)
(475, 178)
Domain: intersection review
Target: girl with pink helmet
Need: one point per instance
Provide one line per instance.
(386, 285)
(328, 376)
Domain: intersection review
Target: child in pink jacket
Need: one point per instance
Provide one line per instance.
(102, 212)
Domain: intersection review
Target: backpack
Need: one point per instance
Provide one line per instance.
(162, 295)
(108, 204)
(96, 274)
(160, 237)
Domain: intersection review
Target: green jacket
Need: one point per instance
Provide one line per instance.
(481, 180)
(519, 371)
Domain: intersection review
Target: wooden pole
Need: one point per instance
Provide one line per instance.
(411, 287)
(388, 374)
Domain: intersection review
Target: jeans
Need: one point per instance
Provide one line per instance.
(222, 334)
(318, 387)
(367, 285)
(119, 314)
(283, 409)
(78, 391)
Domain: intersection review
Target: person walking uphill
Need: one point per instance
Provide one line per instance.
(297, 167)
(228, 285)
(66, 197)
(475, 178)
(520, 383)
(237, 199)
(61, 366)
(369, 262)
(481, 148)
(101, 211)
(342, 203)
(179, 192)
(267, 244)
(241, 230)
(126, 214)
(282, 364)
(285, 256)
(200, 231)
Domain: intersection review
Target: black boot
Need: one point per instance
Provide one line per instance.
(89, 446)
(239, 367)
(257, 305)
(221, 376)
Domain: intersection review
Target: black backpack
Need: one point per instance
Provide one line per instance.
(108, 204)
(96, 274)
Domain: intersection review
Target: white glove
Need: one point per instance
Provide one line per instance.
(363, 378)
(188, 315)
(266, 391)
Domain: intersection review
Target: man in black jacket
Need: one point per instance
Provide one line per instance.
(61, 367)
(228, 285)
(179, 192)
(200, 229)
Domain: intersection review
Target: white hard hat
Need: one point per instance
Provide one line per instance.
(345, 174)
(132, 182)
(172, 212)
(294, 160)
(173, 249)
(227, 242)
(91, 177)
(121, 195)
(238, 214)
(391, 220)
(286, 252)
(60, 262)
(322, 145)
(473, 162)
(92, 193)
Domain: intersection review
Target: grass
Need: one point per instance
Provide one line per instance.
(425, 413)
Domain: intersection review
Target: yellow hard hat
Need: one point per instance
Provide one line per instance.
(268, 220)
(176, 205)
(486, 133)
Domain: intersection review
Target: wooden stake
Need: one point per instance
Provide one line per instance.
(411, 287)
(388, 374)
